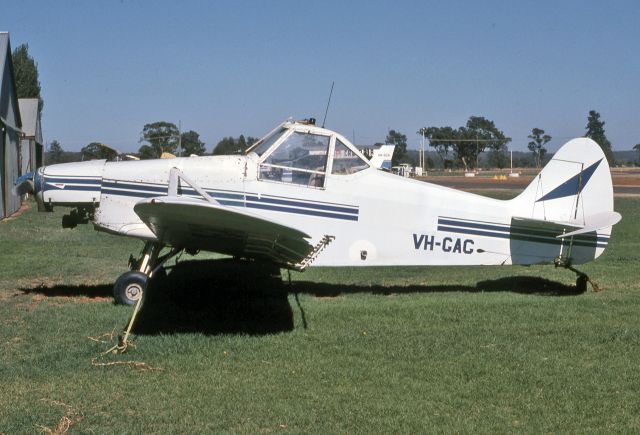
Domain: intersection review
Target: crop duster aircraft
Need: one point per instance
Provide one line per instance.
(304, 195)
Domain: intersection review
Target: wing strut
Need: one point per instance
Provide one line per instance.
(175, 175)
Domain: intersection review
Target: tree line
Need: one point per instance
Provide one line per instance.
(455, 147)
(156, 139)
(461, 147)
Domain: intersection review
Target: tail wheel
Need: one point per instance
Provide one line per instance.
(129, 287)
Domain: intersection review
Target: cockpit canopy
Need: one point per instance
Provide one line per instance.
(302, 154)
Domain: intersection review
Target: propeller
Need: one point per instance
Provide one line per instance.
(24, 184)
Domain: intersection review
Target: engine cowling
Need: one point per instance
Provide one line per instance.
(69, 184)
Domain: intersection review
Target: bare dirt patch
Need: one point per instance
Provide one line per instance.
(626, 180)
(23, 208)
(624, 183)
(53, 292)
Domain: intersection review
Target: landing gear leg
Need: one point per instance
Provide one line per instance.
(582, 278)
(581, 283)
(129, 288)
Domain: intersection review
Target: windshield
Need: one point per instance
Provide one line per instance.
(300, 159)
(303, 151)
(265, 143)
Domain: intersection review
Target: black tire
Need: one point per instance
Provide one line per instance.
(129, 287)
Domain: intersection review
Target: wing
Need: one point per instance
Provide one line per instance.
(194, 224)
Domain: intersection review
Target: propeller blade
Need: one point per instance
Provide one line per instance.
(23, 188)
(24, 184)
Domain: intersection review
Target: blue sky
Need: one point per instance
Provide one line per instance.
(229, 67)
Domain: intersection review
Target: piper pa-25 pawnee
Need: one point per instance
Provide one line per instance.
(304, 195)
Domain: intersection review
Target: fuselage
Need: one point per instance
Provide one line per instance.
(376, 218)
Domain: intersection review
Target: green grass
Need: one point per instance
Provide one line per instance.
(385, 350)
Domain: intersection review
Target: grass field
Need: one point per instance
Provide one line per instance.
(383, 350)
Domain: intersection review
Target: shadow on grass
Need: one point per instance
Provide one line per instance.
(73, 291)
(222, 296)
(529, 285)
(216, 297)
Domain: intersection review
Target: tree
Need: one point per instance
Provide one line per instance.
(537, 145)
(25, 70)
(637, 148)
(430, 163)
(54, 153)
(485, 135)
(226, 146)
(191, 144)
(440, 138)
(230, 145)
(400, 152)
(98, 151)
(497, 159)
(162, 137)
(478, 135)
(595, 131)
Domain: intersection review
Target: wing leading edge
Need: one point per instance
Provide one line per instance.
(198, 225)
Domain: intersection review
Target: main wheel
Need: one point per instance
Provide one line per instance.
(129, 287)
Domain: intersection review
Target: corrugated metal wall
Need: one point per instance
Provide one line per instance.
(12, 165)
(9, 170)
(10, 125)
(2, 153)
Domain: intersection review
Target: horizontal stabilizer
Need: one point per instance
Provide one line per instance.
(539, 226)
(596, 222)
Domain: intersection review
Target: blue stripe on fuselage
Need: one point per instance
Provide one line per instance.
(83, 184)
(238, 199)
(521, 233)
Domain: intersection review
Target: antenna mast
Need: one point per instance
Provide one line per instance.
(328, 102)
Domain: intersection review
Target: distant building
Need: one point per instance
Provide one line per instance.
(31, 148)
(10, 131)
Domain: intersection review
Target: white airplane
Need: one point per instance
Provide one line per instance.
(304, 195)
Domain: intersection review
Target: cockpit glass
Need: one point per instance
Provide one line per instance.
(300, 159)
(266, 142)
(346, 161)
(303, 151)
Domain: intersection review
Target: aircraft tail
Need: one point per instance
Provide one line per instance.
(571, 198)
(381, 158)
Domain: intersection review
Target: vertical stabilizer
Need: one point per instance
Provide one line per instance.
(381, 158)
(574, 185)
